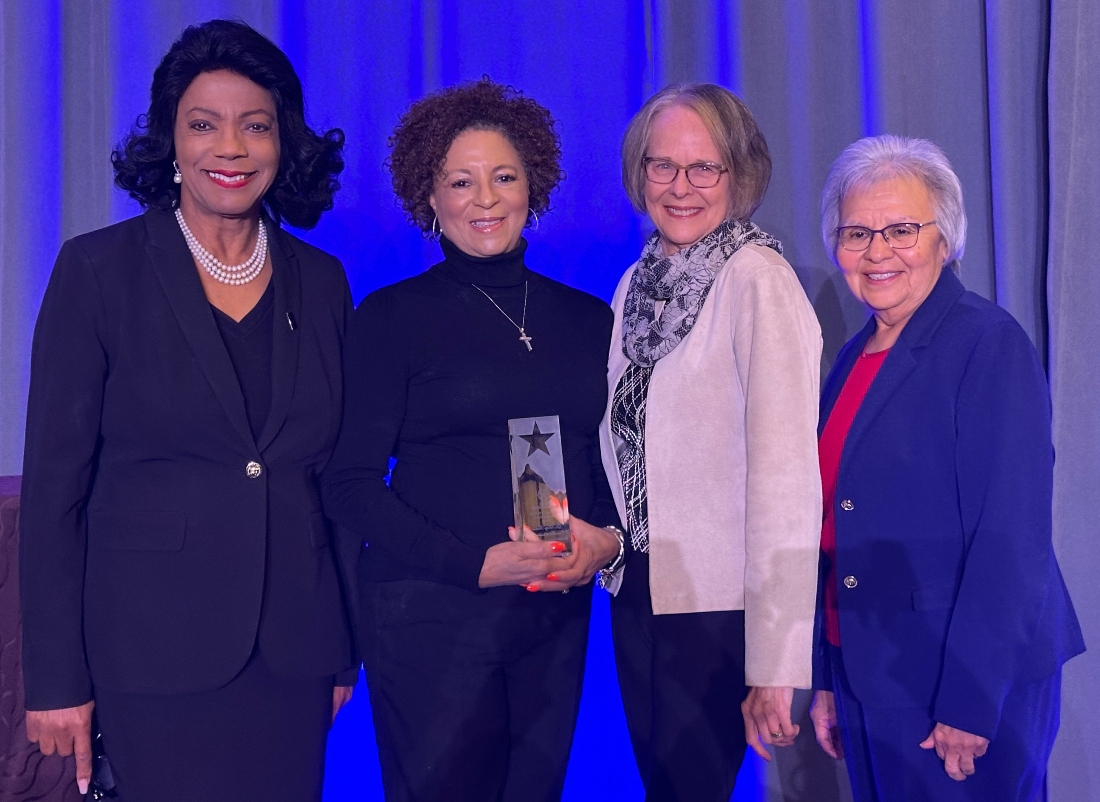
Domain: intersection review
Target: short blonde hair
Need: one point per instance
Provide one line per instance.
(732, 127)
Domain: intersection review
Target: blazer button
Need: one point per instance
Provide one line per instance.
(850, 582)
(253, 470)
(847, 505)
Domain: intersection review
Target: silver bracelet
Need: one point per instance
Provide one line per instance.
(605, 575)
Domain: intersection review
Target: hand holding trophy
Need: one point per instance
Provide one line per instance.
(541, 505)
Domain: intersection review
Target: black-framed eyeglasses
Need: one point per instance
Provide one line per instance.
(701, 175)
(898, 236)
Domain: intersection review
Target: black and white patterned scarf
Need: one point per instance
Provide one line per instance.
(682, 281)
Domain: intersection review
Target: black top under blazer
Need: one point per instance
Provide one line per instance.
(160, 541)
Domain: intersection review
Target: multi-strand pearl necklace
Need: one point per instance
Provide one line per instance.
(218, 270)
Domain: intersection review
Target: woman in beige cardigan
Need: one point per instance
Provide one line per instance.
(710, 445)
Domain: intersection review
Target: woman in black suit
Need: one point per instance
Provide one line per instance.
(176, 570)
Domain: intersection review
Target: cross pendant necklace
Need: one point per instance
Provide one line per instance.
(523, 336)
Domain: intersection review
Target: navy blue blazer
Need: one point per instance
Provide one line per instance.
(159, 539)
(949, 591)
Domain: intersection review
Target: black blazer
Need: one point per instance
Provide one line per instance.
(159, 540)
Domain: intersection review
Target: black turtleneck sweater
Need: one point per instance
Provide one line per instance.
(432, 373)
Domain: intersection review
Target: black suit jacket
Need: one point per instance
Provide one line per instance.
(159, 539)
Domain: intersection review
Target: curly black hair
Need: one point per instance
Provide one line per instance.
(309, 162)
(419, 143)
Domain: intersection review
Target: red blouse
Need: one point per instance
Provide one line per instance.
(829, 449)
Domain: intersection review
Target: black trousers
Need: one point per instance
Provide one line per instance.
(261, 737)
(474, 696)
(682, 679)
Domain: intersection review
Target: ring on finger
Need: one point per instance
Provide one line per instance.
(777, 734)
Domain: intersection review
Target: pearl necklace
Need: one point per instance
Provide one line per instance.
(218, 270)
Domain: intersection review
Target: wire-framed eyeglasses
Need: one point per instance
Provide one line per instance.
(898, 236)
(701, 175)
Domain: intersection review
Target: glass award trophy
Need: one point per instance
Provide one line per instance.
(538, 478)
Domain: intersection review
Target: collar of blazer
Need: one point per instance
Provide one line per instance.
(175, 269)
(918, 332)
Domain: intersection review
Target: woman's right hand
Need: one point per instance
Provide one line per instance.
(521, 562)
(823, 715)
(66, 731)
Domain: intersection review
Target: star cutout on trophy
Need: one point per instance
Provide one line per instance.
(537, 440)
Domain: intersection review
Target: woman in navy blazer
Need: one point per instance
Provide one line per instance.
(944, 620)
(177, 574)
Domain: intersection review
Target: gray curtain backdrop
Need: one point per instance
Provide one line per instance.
(1073, 302)
(1009, 88)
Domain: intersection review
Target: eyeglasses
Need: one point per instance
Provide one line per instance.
(701, 175)
(898, 236)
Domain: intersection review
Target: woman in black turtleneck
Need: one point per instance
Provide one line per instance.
(474, 674)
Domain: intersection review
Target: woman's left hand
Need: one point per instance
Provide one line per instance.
(956, 748)
(593, 548)
(341, 695)
(767, 713)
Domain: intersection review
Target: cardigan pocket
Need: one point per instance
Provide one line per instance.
(134, 530)
(936, 596)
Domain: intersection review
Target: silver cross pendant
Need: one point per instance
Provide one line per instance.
(526, 340)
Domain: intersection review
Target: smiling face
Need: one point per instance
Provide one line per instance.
(893, 283)
(481, 198)
(227, 146)
(682, 213)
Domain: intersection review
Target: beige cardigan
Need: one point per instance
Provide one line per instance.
(733, 487)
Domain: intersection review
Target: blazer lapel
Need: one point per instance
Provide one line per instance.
(285, 338)
(175, 270)
(902, 358)
(898, 365)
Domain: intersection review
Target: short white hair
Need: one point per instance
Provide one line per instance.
(880, 158)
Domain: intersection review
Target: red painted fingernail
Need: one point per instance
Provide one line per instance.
(533, 588)
(557, 546)
(552, 577)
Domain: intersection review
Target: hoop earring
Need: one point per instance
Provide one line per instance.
(437, 230)
(534, 214)
(178, 177)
